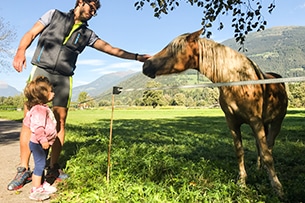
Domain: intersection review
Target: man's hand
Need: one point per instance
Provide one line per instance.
(19, 61)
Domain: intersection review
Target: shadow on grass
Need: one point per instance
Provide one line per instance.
(193, 139)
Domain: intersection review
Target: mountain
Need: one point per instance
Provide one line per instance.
(101, 84)
(278, 49)
(7, 90)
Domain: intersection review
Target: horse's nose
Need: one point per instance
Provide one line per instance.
(147, 69)
(146, 64)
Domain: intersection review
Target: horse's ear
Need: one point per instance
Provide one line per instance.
(194, 36)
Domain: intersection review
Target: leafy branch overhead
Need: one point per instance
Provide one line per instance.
(246, 14)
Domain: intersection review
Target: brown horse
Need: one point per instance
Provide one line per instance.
(262, 106)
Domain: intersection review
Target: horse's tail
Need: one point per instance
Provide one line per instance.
(274, 75)
(270, 75)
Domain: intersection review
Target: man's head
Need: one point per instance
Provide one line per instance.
(96, 2)
(85, 9)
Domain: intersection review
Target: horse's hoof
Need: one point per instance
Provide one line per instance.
(241, 182)
(280, 194)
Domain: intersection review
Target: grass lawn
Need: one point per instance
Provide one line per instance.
(172, 155)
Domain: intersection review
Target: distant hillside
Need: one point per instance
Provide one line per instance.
(278, 49)
(7, 90)
(139, 80)
(101, 84)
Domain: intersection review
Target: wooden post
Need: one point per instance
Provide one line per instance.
(116, 90)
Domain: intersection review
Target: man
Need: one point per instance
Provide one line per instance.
(62, 37)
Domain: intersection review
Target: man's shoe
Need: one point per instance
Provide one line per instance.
(56, 173)
(62, 175)
(22, 177)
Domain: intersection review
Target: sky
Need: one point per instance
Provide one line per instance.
(121, 25)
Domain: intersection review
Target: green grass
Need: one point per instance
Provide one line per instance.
(173, 155)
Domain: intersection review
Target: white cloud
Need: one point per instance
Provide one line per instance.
(123, 66)
(91, 62)
(302, 6)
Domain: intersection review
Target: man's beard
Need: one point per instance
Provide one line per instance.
(82, 17)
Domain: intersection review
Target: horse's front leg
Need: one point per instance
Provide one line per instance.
(236, 134)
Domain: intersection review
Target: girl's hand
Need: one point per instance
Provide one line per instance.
(45, 145)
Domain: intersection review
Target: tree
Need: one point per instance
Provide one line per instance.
(82, 97)
(296, 94)
(7, 36)
(15, 102)
(85, 101)
(179, 99)
(153, 97)
(246, 15)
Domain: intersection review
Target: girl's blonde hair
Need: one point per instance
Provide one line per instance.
(37, 91)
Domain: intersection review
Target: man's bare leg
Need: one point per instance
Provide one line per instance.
(24, 174)
(25, 152)
(60, 114)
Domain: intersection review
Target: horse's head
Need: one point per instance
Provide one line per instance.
(179, 55)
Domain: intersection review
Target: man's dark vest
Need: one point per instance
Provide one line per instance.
(51, 54)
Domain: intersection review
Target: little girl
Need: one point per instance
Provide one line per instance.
(40, 119)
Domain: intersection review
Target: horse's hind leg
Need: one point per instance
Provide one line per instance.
(259, 160)
(273, 131)
(266, 156)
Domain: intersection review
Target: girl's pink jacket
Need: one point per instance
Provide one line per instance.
(40, 119)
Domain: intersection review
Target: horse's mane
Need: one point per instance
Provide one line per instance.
(219, 62)
(177, 44)
(225, 63)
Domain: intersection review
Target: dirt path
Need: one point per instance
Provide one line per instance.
(9, 161)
